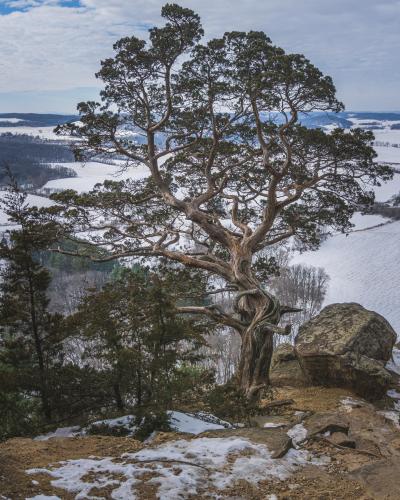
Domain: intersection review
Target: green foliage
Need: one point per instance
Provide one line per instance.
(150, 422)
(30, 336)
(131, 328)
(229, 402)
(19, 414)
(69, 263)
(104, 429)
(231, 170)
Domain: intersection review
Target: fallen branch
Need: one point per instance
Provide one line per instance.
(275, 404)
(166, 460)
(361, 452)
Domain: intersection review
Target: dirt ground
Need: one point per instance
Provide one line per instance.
(332, 482)
(17, 455)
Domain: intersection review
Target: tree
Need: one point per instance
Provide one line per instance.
(304, 287)
(231, 169)
(30, 336)
(133, 334)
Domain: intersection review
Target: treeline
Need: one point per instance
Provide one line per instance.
(28, 158)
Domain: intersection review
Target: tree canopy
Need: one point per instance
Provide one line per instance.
(231, 170)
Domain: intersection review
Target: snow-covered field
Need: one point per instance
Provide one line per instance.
(364, 265)
(364, 268)
(91, 173)
(33, 200)
(42, 132)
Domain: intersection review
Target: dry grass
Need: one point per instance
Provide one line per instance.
(316, 399)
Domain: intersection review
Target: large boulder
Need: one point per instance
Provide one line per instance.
(347, 346)
(285, 368)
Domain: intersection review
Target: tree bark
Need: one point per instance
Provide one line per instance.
(257, 347)
(260, 312)
(118, 397)
(39, 352)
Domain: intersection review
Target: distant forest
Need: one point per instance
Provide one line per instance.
(28, 159)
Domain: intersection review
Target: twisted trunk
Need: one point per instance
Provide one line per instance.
(257, 346)
(260, 313)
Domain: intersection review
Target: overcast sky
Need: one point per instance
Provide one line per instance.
(50, 49)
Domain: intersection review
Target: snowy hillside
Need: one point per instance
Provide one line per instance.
(91, 173)
(364, 265)
(364, 268)
(37, 125)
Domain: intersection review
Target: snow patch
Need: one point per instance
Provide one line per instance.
(62, 432)
(394, 416)
(185, 422)
(127, 421)
(178, 469)
(44, 497)
(350, 403)
(273, 425)
(396, 396)
(298, 433)
(10, 120)
(180, 422)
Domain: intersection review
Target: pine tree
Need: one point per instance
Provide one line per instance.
(29, 333)
(231, 169)
(133, 332)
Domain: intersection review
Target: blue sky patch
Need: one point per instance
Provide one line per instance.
(7, 7)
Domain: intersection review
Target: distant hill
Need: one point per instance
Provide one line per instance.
(344, 119)
(34, 119)
(347, 119)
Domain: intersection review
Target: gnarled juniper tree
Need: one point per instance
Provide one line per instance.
(231, 170)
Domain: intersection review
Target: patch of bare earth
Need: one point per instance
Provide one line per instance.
(311, 398)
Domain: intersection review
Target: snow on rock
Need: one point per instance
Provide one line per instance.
(195, 424)
(350, 403)
(273, 425)
(298, 433)
(394, 416)
(392, 393)
(61, 432)
(125, 422)
(180, 422)
(177, 469)
(395, 395)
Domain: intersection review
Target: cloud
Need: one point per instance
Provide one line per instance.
(57, 44)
